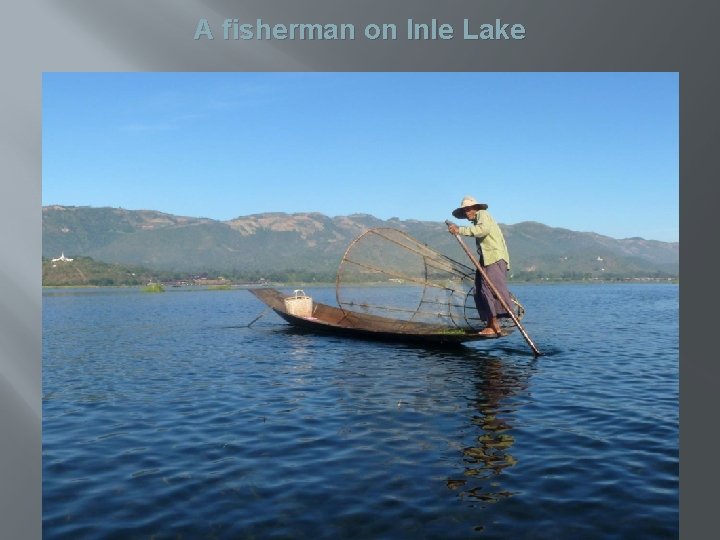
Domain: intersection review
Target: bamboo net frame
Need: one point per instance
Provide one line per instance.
(385, 272)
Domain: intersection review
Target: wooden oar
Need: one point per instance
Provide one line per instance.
(496, 293)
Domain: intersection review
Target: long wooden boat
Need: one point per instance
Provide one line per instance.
(333, 320)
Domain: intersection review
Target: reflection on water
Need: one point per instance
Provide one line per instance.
(496, 383)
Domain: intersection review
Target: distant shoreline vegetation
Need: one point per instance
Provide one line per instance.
(84, 271)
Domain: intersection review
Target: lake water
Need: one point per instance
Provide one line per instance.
(164, 416)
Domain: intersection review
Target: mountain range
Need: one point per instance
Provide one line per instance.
(313, 243)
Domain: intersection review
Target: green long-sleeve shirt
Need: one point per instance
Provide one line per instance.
(488, 237)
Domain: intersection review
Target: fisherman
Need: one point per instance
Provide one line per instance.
(493, 257)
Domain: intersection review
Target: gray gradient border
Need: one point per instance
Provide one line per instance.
(156, 35)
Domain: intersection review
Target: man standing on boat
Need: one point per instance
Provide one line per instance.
(493, 257)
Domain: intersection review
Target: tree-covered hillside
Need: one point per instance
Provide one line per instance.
(274, 245)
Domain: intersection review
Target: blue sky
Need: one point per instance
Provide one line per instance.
(585, 151)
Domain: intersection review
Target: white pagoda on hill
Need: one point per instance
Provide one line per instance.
(62, 258)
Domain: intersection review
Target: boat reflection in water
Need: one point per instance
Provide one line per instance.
(496, 384)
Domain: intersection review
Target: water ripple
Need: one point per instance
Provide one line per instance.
(165, 418)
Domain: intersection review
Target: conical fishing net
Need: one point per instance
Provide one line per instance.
(389, 274)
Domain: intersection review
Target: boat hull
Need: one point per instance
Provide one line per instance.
(328, 319)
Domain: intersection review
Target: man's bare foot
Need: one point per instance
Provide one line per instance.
(489, 332)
